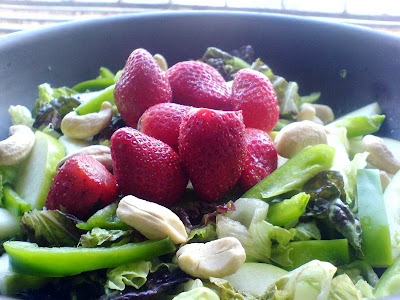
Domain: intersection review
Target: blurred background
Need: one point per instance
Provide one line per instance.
(16, 15)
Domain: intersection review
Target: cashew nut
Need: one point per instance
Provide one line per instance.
(379, 154)
(318, 113)
(152, 220)
(161, 61)
(217, 258)
(84, 126)
(296, 136)
(307, 112)
(16, 148)
(99, 152)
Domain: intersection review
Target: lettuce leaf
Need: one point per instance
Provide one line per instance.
(21, 115)
(257, 237)
(103, 237)
(310, 281)
(342, 288)
(132, 274)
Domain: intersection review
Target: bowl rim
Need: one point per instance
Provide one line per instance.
(10, 38)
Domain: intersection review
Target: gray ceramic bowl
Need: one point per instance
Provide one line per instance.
(312, 52)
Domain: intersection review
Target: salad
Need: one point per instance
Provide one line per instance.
(209, 179)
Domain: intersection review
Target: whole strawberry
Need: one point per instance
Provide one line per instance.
(197, 84)
(212, 149)
(162, 122)
(253, 94)
(82, 186)
(141, 85)
(146, 167)
(261, 158)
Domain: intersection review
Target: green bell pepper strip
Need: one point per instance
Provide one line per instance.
(376, 244)
(288, 210)
(93, 104)
(105, 218)
(360, 125)
(30, 259)
(296, 254)
(93, 85)
(13, 202)
(294, 173)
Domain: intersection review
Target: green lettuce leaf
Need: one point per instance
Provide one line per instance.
(132, 274)
(50, 228)
(310, 281)
(103, 237)
(203, 234)
(359, 270)
(305, 231)
(342, 288)
(258, 237)
(21, 115)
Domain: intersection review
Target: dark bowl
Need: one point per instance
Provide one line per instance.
(312, 52)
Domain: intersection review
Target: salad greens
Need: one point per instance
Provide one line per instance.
(319, 227)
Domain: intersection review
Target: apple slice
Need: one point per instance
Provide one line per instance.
(261, 275)
(36, 174)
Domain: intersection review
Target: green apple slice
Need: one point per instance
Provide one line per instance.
(36, 174)
(254, 278)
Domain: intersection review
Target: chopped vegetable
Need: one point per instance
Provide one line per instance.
(327, 203)
(296, 254)
(30, 259)
(50, 228)
(360, 125)
(376, 246)
(13, 202)
(293, 174)
(93, 103)
(288, 210)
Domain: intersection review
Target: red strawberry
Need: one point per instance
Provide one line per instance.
(212, 149)
(261, 158)
(197, 84)
(141, 85)
(82, 186)
(162, 122)
(146, 167)
(252, 92)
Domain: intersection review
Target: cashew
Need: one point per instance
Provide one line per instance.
(217, 258)
(318, 113)
(324, 113)
(307, 112)
(16, 148)
(84, 126)
(379, 154)
(152, 220)
(161, 61)
(99, 152)
(296, 136)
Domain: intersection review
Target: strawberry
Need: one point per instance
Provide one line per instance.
(197, 84)
(261, 158)
(252, 92)
(146, 167)
(162, 122)
(212, 149)
(81, 186)
(141, 85)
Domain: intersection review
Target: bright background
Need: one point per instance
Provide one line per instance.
(18, 15)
